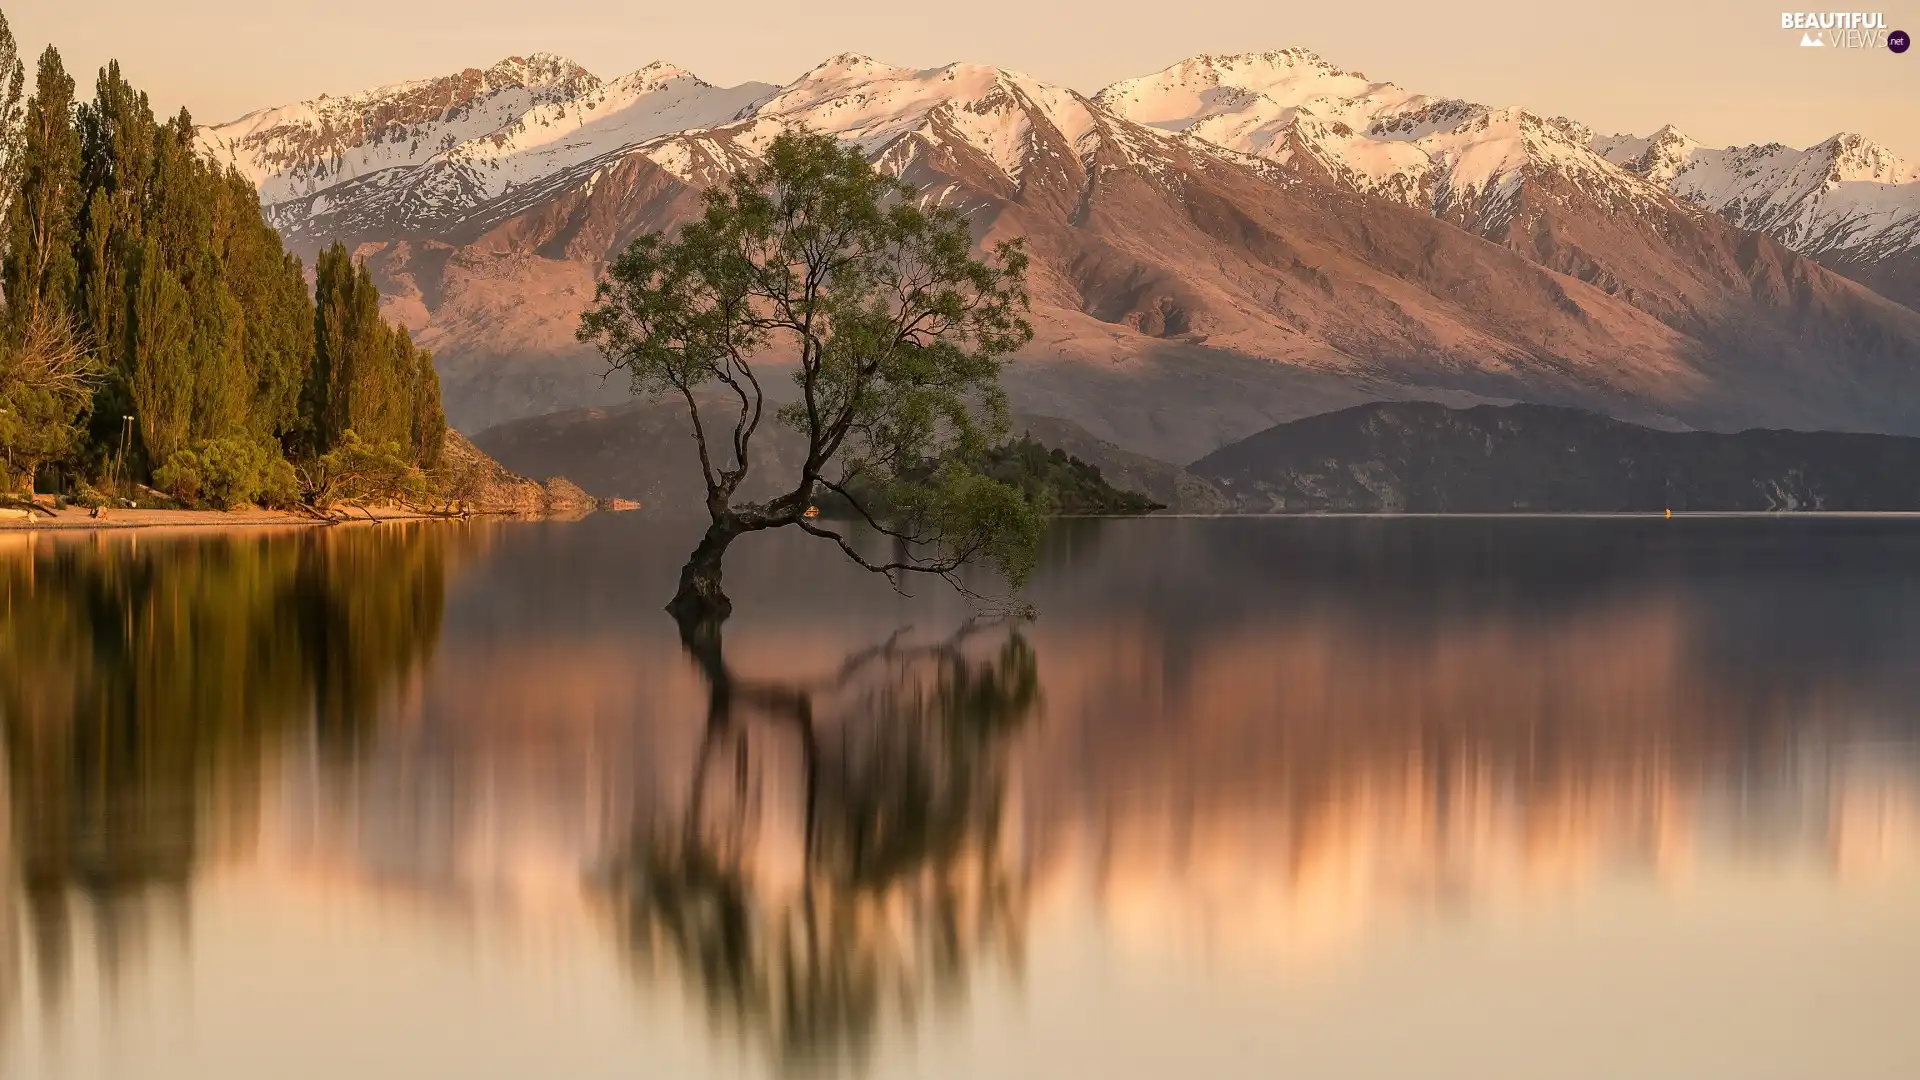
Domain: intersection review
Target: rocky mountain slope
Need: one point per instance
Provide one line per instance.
(1217, 248)
(1418, 457)
(476, 482)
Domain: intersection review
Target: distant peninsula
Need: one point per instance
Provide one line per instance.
(1420, 457)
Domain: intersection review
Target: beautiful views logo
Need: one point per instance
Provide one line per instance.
(1843, 30)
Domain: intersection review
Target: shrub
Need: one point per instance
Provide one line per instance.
(361, 473)
(234, 469)
(229, 472)
(180, 477)
(279, 485)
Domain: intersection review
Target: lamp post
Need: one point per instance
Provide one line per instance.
(120, 460)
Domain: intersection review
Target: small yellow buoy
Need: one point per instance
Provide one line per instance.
(1669, 512)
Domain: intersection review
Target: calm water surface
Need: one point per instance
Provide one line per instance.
(1334, 798)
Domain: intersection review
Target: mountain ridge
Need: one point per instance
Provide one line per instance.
(1262, 279)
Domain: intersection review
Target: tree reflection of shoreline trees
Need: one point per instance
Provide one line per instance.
(897, 878)
(143, 684)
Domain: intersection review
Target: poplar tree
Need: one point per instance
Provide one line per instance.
(13, 78)
(117, 134)
(159, 341)
(38, 274)
(429, 420)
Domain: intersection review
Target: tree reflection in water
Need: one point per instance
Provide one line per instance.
(142, 684)
(840, 858)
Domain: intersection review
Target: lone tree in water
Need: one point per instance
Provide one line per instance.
(895, 335)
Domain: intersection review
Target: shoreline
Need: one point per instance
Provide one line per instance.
(75, 520)
(79, 520)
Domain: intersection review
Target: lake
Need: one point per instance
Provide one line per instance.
(1473, 798)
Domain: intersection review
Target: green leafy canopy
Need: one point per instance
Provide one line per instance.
(895, 332)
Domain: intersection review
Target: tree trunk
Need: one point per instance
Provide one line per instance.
(700, 597)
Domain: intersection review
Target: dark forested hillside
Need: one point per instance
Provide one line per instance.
(1418, 457)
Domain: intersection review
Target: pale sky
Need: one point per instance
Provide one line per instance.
(1722, 70)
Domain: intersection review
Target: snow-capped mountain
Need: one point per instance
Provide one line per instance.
(433, 150)
(1848, 201)
(1230, 243)
(1003, 123)
(423, 157)
(1845, 194)
(1459, 160)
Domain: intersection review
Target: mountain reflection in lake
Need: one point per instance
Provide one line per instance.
(1314, 797)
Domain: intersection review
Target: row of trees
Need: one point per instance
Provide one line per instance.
(153, 327)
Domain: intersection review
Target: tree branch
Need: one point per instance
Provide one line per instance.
(946, 569)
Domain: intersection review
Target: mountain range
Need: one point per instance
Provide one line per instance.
(1230, 243)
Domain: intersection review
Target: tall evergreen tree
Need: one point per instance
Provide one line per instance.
(277, 313)
(177, 212)
(117, 135)
(383, 398)
(222, 389)
(38, 274)
(159, 351)
(429, 420)
(13, 81)
(353, 387)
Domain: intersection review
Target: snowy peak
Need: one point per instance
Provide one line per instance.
(866, 102)
(1443, 155)
(539, 71)
(436, 148)
(1002, 116)
(653, 77)
(1847, 197)
(1857, 158)
(1246, 101)
(298, 149)
(1658, 157)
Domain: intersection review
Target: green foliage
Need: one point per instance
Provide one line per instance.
(1048, 479)
(45, 382)
(38, 273)
(362, 472)
(367, 376)
(899, 332)
(429, 420)
(190, 315)
(230, 471)
(180, 476)
(13, 89)
(91, 497)
(160, 354)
